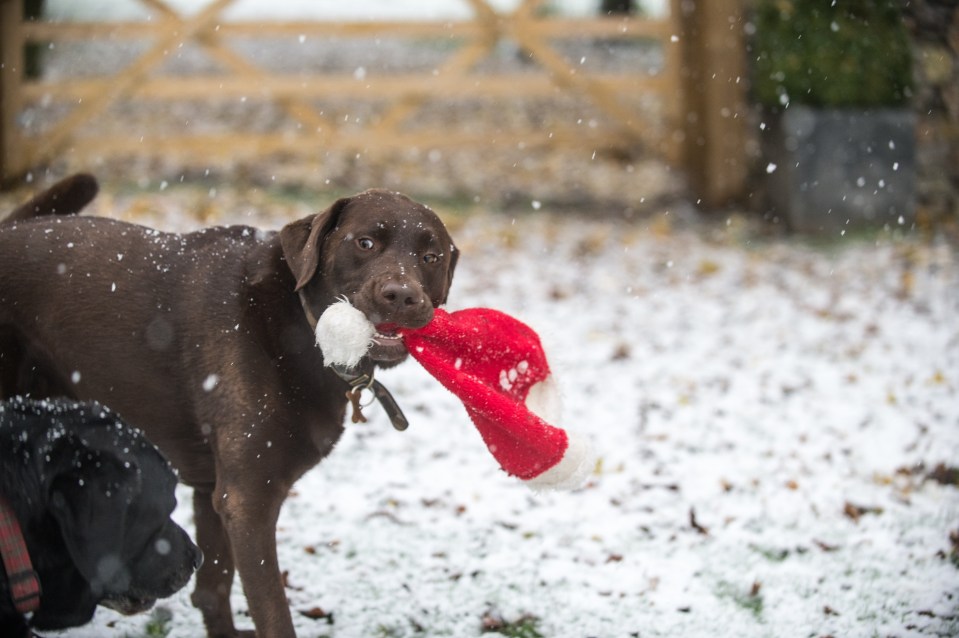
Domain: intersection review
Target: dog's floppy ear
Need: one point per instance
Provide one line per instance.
(302, 241)
(90, 501)
(454, 257)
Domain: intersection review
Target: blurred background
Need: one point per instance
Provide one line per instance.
(617, 107)
(733, 222)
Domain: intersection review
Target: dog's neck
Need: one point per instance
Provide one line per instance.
(359, 380)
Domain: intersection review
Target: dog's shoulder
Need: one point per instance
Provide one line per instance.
(225, 240)
(24, 436)
(33, 431)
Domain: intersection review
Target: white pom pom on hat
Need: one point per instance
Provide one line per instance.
(344, 334)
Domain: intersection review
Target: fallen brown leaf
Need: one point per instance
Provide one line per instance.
(944, 475)
(855, 512)
(621, 353)
(318, 613)
(695, 525)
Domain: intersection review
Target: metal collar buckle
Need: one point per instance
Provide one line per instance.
(362, 381)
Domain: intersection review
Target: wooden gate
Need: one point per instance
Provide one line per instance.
(695, 123)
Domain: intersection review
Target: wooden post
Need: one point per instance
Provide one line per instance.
(11, 76)
(714, 98)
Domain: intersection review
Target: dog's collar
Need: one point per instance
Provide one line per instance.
(23, 580)
(359, 381)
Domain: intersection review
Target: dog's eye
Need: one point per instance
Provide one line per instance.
(365, 243)
(431, 258)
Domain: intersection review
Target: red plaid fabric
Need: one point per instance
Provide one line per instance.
(24, 583)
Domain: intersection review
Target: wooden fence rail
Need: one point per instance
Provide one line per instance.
(697, 124)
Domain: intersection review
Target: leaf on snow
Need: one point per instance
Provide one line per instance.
(944, 475)
(826, 547)
(695, 524)
(318, 613)
(855, 512)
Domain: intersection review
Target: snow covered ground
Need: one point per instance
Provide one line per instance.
(768, 417)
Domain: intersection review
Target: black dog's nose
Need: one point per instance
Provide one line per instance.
(197, 559)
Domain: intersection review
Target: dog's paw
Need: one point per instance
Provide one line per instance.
(344, 335)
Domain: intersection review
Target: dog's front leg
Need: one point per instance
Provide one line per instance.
(215, 578)
(249, 514)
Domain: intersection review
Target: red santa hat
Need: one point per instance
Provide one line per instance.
(496, 366)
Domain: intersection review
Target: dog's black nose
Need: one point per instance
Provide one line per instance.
(197, 559)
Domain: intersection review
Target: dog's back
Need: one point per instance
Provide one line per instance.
(67, 197)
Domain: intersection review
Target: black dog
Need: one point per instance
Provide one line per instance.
(93, 499)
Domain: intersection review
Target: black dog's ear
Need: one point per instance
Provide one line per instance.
(90, 502)
(302, 241)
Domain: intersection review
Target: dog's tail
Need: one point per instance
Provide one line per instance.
(66, 197)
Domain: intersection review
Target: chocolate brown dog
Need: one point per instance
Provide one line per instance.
(202, 340)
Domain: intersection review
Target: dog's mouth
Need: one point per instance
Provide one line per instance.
(388, 347)
(128, 605)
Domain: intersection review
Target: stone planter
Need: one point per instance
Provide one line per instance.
(835, 169)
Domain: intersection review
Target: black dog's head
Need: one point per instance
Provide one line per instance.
(389, 256)
(109, 493)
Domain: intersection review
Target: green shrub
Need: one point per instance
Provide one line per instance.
(843, 53)
(525, 626)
